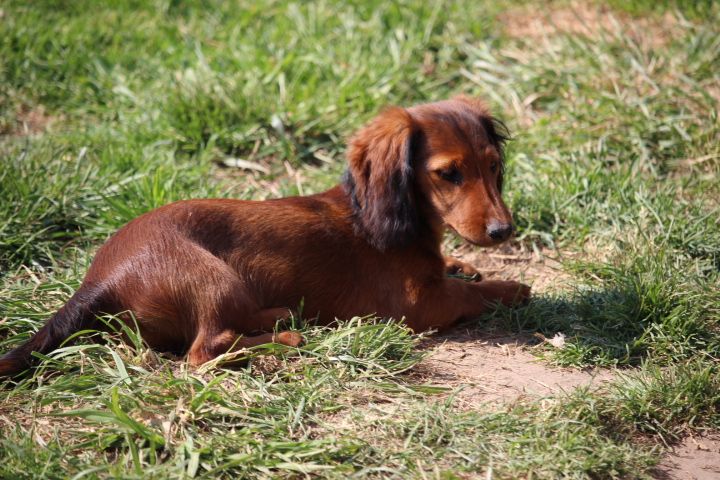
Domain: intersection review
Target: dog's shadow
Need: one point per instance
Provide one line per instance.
(478, 333)
(605, 325)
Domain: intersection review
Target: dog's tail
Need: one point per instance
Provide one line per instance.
(77, 314)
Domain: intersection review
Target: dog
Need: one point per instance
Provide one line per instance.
(210, 276)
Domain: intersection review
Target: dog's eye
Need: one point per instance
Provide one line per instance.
(493, 167)
(451, 175)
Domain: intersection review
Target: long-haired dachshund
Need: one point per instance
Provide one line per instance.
(209, 276)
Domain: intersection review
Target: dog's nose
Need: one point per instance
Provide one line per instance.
(499, 231)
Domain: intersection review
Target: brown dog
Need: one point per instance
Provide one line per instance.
(207, 276)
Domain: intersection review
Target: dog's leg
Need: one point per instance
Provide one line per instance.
(225, 333)
(455, 299)
(194, 299)
(221, 336)
(267, 318)
(453, 266)
(207, 347)
(506, 292)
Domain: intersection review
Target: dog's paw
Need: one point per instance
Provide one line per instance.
(508, 293)
(457, 268)
(523, 294)
(291, 339)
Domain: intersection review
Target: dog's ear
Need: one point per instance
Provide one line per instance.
(381, 179)
(497, 132)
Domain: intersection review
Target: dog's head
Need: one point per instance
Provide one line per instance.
(429, 165)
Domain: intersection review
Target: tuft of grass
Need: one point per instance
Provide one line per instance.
(153, 416)
(667, 402)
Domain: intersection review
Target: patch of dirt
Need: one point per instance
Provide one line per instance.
(497, 366)
(30, 121)
(695, 458)
(586, 20)
(252, 175)
(541, 268)
(713, 89)
(243, 181)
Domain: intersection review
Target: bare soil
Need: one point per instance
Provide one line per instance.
(540, 268)
(498, 367)
(695, 458)
(581, 19)
(29, 122)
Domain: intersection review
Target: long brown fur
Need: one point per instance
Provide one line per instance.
(206, 276)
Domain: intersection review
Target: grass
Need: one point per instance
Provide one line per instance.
(108, 110)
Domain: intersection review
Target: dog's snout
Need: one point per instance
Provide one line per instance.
(499, 231)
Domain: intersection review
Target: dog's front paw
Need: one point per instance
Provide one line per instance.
(457, 268)
(508, 293)
(523, 294)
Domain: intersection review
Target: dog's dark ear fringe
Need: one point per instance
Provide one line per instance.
(380, 180)
(498, 134)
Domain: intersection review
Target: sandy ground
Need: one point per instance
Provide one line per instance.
(695, 458)
(580, 19)
(499, 368)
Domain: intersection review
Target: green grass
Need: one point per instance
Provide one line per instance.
(109, 109)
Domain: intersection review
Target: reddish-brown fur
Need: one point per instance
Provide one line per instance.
(206, 276)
